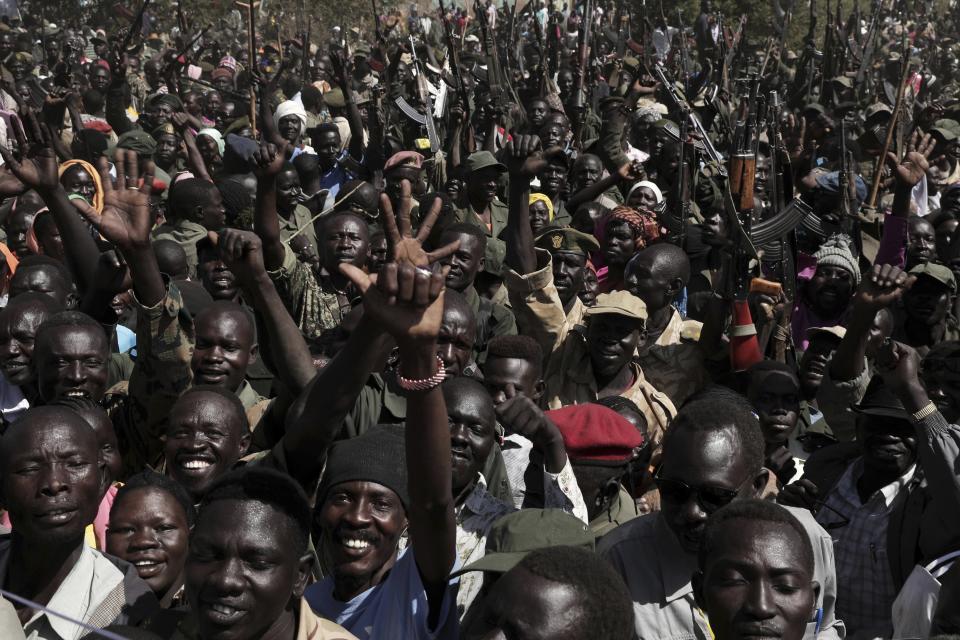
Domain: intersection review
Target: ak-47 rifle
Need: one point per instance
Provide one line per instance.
(583, 58)
(453, 54)
(425, 98)
(866, 60)
(494, 74)
(305, 62)
(134, 27)
(542, 50)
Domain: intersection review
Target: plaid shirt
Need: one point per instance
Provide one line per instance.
(865, 585)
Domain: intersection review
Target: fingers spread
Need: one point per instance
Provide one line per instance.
(357, 276)
(443, 252)
(430, 220)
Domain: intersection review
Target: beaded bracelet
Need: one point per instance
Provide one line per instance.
(426, 383)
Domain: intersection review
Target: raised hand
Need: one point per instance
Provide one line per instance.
(899, 365)
(407, 248)
(340, 70)
(112, 274)
(911, 170)
(794, 134)
(268, 160)
(802, 494)
(242, 252)
(521, 415)
(125, 221)
(524, 156)
(38, 169)
(882, 286)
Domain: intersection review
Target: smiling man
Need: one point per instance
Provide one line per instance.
(249, 564)
(755, 573)
(712, 456)
(826, 296)
(50, 484)
(19, 322)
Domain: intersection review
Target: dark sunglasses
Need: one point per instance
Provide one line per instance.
(709, 498)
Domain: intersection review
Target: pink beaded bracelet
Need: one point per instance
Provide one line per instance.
(425, 384)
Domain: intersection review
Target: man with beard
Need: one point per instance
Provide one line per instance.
(249, 563)
(903, 461)
(50, 485)
(492, 318)
(826, 296)
(544, 275)
(19, 322)
(768, 550)
(712, 456)
(317, 303)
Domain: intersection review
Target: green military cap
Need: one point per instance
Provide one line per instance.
(567, 239)
(481, 160)
(621, 303)
(362, 50)
(938, 272)
(334, 98)
(135, 140)
(877, 108)
(494, 255)
(516, 534)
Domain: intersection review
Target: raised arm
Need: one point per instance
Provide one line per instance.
(342, 74)
(194, 159)
(907, 175)
(406, 301)
(266, 223)
(242, 252)
(524, 160)
(39, 171)
(626, 172)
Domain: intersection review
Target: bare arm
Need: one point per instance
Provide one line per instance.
(523, 161)
(353, 112)
(266, 221)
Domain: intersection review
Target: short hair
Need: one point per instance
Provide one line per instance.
(606, 601)
(229, 396)
(236, 198)
(37, 261)
(79, 404)
(519, 347)
(324, 127)
(623, 403)
(716, 409)
(93, 101)
(270, 487)
(184, 195)
(150, 479)
(310, 97)
(171, 257)
(467, 229)
(307, 166)
(71, 319)
(30, 298)
(758, 511)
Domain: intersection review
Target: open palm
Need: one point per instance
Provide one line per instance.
(125, 220)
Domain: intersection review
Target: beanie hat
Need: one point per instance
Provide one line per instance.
(377, 455)
(837, 251)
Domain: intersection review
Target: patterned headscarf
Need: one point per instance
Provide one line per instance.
(539, 197)
(642, 222)
(97, 202)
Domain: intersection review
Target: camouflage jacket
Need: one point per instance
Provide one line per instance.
(314, 306)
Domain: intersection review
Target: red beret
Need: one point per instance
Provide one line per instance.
(592, 432)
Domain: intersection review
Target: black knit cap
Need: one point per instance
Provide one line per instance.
(378, 455)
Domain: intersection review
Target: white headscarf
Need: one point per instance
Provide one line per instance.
(649, 185)
(291, 108)
(216, 135)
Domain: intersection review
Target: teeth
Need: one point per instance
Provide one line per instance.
(145, 563)
(75, 394)
(195, 464)
(224, 609)
(356, 544)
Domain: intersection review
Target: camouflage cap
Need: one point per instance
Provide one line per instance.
(937, 272)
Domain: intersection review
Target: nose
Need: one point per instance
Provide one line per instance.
(53, 481)
(458, 435)
(74, 372)
(358, 515)
(228, 579)
(143, 538)
(446, 353)
(759, 604)
(692, 512)
(214, 355)
(9, 348)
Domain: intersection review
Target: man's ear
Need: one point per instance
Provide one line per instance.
(483, 263)
(760, 482)
(72, 301)
(244, 443)
(105, 479)
(676, 286)
(697, 582)
(254, 353)
(304, 571)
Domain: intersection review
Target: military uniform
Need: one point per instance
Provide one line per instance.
(185, 233)
(300, 219)
(316, 306)
(493, 320)
(674, 363)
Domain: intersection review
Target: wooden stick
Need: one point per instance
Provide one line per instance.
(878, 170)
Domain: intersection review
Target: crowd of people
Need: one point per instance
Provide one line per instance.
(517, 321)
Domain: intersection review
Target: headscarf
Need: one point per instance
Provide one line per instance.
(97, 202)
(291, 108)
(11, 260)
(649, 185)
(539, 197)
(217, 137)
(642, 222)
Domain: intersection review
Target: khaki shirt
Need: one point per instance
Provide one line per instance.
(621, 511)
(674, 364)
(496, 248)
(537, 307)
(500, 322)
(310, 626)
(186, 234)
(657, 572)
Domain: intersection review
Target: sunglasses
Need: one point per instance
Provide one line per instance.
(709, 498)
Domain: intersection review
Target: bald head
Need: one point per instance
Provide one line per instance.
(657, 275)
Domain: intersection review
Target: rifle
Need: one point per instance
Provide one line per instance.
(583, 56)
(494, 75)
(454, 57)
(866, 61)
(137, 22)
(425, 97)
